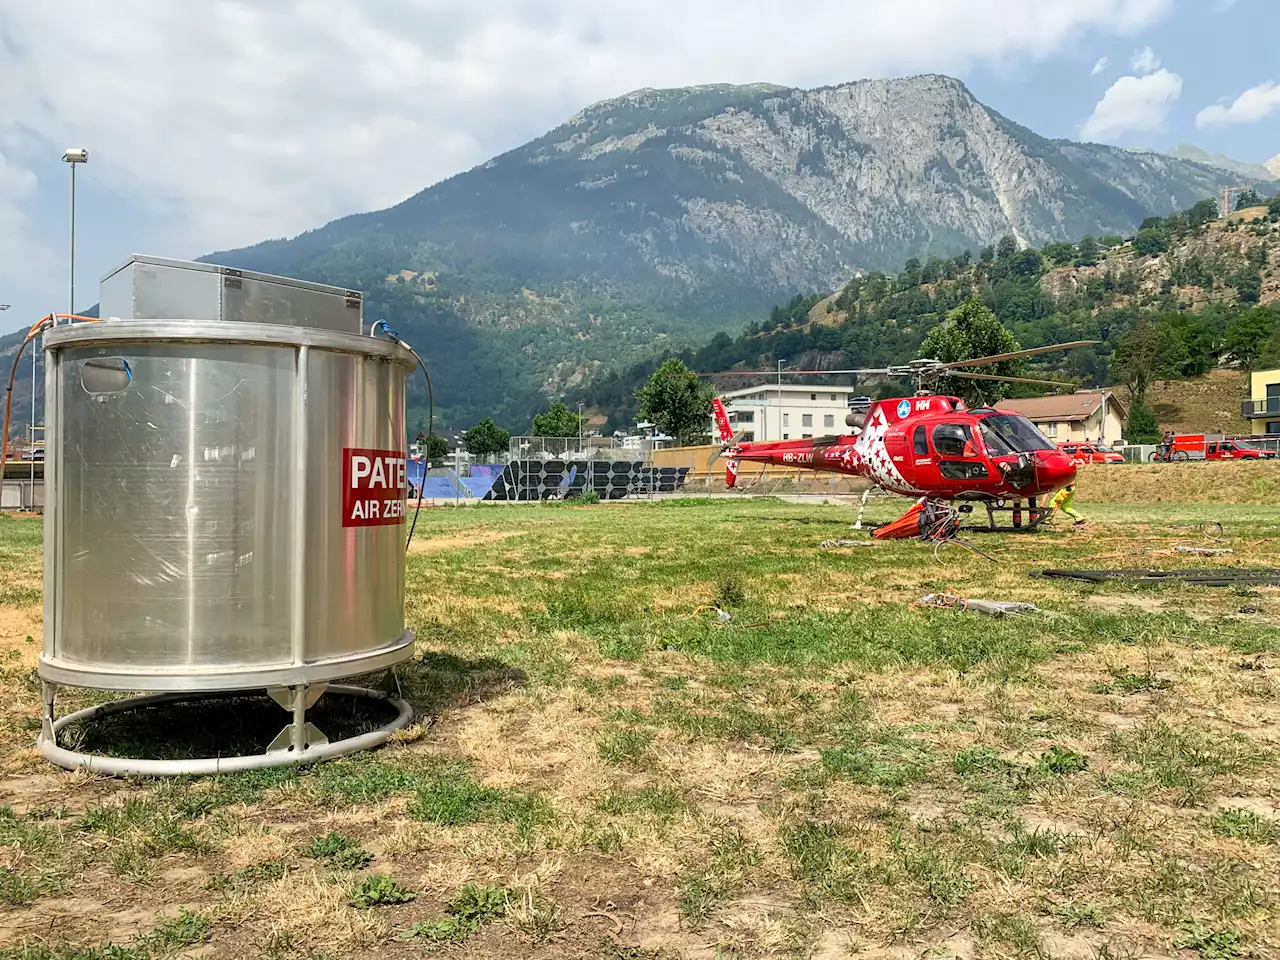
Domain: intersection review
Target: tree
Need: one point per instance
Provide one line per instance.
(1060, 254)
(1202, 212)
(677, 401)
(1141, 427)
(1248, 333)
(1247, 199)
(986, 254)
(1152, 223)
(1269, 354)
(1148, 352)
(1273, 207)
(1088, 252)
(557, 422)
(1150, 242)
(485, 439)
(1248, 286)
(1006, 248)
(971, 330)
(1199, 341)
(1028, 263)
(434, 447)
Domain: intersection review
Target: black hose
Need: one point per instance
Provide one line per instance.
(431, 423)
(431, 415)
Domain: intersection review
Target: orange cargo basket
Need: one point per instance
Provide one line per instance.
(906, 526)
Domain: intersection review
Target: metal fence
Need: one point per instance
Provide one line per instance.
(576, 448)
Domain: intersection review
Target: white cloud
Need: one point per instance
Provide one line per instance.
(1133, 105)
(1145, 61)
(232, 121)
(1251, 106)
(1098, 67)
(25, 266)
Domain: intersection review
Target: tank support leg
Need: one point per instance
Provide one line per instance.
(299, 721)
(863, 506)
(47, 693)
(299, 736)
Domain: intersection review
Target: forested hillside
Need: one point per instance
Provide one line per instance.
(1192, 290)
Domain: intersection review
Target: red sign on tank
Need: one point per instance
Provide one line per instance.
(373, 487)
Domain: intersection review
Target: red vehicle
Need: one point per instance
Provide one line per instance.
(1091, 453)
(1236, 450)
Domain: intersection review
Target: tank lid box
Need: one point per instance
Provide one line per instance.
(156, 288)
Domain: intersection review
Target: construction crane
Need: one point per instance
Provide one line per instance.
(1226, 198)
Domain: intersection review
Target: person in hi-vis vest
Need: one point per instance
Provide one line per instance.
(1062, 501)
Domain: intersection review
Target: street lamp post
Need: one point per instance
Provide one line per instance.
(73, 156)
(580, 429)
(780, 363)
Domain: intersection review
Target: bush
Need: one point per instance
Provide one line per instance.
(379, 890)
(730, 592)
(1141, 427)
(1149, 242)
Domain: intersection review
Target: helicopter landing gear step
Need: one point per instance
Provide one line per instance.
(1020, 521)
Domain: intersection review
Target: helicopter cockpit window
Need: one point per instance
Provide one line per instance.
(954, 440)
(996, 444)
(1017, 433)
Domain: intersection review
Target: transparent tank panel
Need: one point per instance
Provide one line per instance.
(176, 478)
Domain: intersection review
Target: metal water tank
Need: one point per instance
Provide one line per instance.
(225, 511)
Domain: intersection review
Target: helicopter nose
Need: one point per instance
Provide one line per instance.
(1054, 470)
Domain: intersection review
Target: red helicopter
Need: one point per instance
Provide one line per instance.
(929, 447)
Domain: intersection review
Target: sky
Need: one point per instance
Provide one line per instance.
(217, 124)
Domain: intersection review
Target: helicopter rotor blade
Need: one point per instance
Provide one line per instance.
(1033, 351)
(733, 442)
(989, 376)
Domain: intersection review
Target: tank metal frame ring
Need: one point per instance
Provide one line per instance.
(127, 766)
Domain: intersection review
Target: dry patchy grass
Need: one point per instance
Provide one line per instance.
(601, 768)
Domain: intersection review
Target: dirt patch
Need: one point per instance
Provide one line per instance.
(436, 544)
(1128, 604)
(20, 630)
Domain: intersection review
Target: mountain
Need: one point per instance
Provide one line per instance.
(1242, 169)
(1274, 166)
(661, 216)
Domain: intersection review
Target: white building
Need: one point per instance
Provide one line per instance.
(788, 412)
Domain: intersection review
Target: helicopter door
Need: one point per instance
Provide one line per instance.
(920, 446)
(960, 456)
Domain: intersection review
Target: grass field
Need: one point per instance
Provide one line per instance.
(601, 768)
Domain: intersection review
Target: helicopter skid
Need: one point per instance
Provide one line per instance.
(1022, 517)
